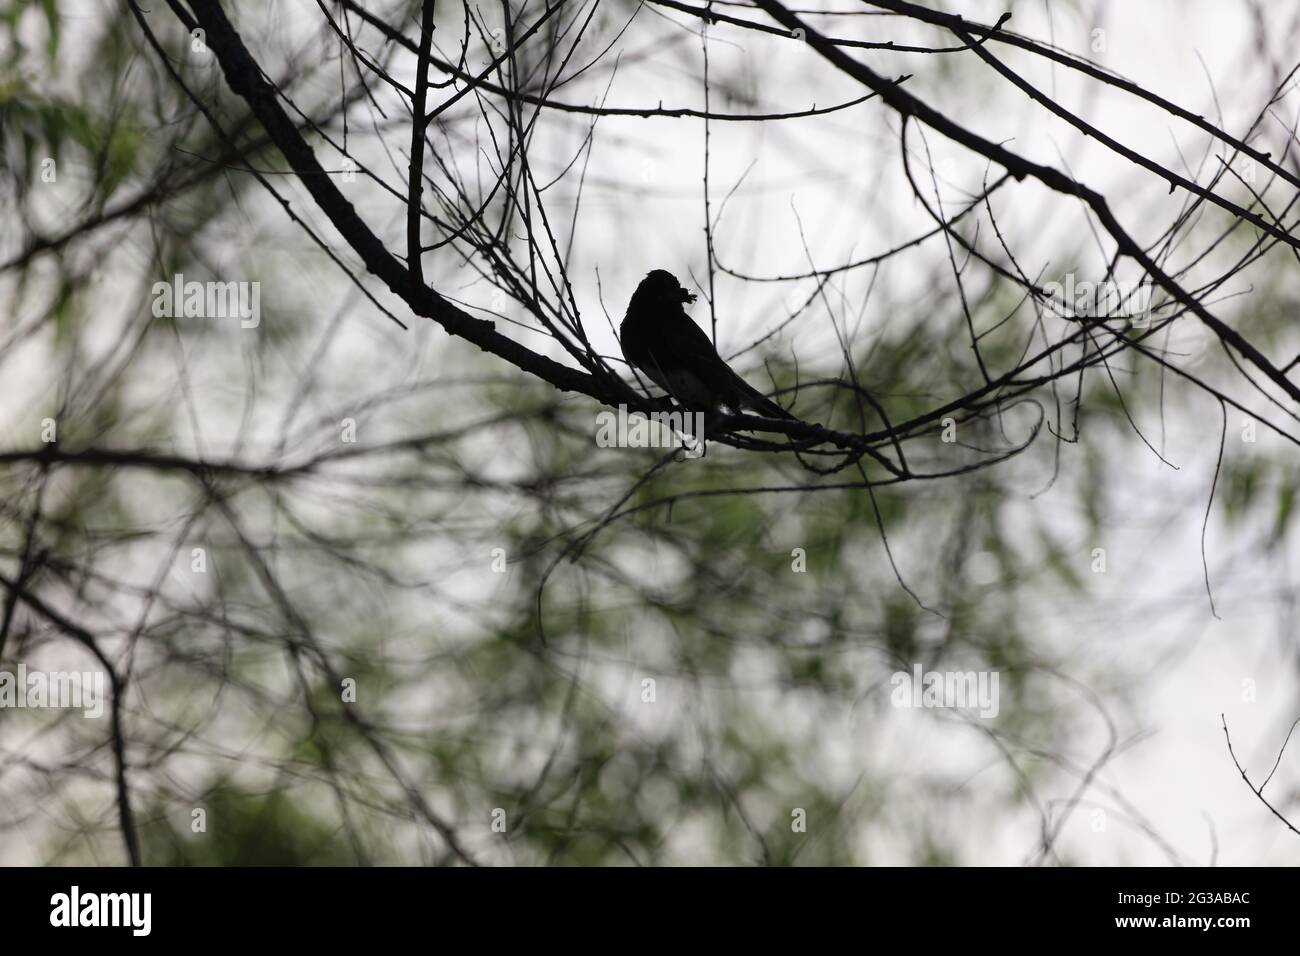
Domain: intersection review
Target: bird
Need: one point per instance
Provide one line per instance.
(661, 340)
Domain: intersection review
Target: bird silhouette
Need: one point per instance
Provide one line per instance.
(662, 341)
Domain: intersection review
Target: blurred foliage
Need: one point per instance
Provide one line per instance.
(243, 829)
(522, 691)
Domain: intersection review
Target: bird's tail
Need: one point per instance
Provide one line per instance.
(749, 397)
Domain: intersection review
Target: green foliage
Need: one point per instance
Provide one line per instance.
(243, 828)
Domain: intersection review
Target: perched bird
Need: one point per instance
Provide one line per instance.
(661, 340)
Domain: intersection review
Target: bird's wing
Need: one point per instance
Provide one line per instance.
(691, 348)
(684, 343)
(681, 358)
(666, 362)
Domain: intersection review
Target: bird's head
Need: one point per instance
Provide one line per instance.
(662, 288)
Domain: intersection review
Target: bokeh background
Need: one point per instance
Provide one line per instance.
(498, 590)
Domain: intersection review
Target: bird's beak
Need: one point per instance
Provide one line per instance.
(688, 296)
